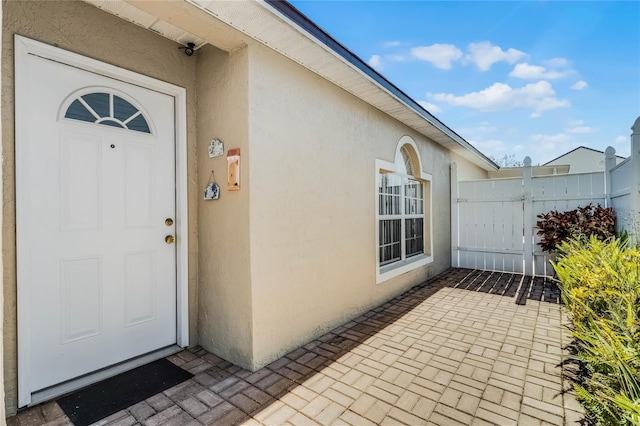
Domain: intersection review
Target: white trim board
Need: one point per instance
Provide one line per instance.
(25, 47)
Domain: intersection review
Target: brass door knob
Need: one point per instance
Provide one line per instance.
(169, 239)
(168, 221)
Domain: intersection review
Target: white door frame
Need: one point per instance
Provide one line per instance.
(23, 48)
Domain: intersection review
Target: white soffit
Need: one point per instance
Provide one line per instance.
(263, 23)
(256, 19)
(148, 21)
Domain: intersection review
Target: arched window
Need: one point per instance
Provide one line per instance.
(405, 165)
(107, 109)
(403, 212)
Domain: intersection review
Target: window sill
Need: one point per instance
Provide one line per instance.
(395, 269)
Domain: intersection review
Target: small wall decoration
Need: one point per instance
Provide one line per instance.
(233, 163)
(216, 148)
(212, 190)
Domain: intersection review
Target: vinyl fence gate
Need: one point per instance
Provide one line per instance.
(493, 223)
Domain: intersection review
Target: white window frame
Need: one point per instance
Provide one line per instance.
(392, 270)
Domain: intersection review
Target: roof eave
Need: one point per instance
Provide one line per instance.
(288, 11)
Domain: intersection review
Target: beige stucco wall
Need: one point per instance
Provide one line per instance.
(583, 160)
(223, 226)
(467, 170)
(292, 254)
(313, 150)
(86, 30)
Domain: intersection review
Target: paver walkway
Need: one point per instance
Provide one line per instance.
(467, 347)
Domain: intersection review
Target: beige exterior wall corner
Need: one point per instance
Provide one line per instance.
(466, 169)
(224, 321)
(86, 30)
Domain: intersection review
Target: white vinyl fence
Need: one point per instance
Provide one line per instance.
(620, 193)
(493, 221)
(489, 223)
(561, 193)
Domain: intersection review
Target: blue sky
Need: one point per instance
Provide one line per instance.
(535, 78)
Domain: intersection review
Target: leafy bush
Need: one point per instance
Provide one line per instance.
(600, 284)
(556, 228)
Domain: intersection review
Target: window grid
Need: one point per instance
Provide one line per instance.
(109, 110)
(401, 218)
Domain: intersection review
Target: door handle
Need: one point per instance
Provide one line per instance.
(169, 239)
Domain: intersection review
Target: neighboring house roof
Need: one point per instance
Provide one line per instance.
(280, 26)
(576, 149)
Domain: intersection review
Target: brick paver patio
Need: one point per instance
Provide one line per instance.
(465, 348)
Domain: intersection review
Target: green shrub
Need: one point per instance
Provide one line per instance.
(593, 272)
(600, 284)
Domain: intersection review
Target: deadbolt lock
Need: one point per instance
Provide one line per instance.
(168, 221)
(169, 239)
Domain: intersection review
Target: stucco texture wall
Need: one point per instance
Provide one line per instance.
(468, 170)
(583, 160)
(313, 248)
(86, 30)
(224, 321)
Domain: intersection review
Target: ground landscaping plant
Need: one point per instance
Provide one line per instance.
(600, 284)
(556, 227)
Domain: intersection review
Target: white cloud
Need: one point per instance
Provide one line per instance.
(484, 55)
(581, 129)
(489, 147)
(432, 108)
(440, 55)
(622, 139)
(484, 137)
(395, 58)
(539, 96)
(551, 146)
(579, 85)
(484, 128)
(575, 122)
(535, 115)
(375, 61)
(392, 44)
(537, 72)
(557, 63)
(551, 139)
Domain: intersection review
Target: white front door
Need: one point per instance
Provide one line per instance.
(96, 187)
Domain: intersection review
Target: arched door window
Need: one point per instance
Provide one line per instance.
(107, 109)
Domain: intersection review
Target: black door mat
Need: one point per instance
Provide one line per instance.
(102, 399)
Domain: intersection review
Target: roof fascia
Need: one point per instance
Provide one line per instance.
(289, 13)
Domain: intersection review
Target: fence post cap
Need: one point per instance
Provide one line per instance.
(610, 151)
(636, 126)
(527, 161)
